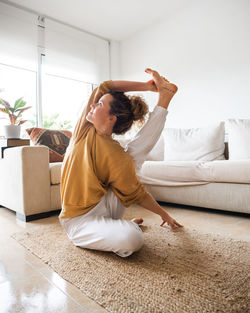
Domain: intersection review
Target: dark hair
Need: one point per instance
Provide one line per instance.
(127, 109)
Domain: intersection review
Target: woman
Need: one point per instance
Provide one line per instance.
(99, 178)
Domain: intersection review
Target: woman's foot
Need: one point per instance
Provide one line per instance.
(137, 220)
(166, 94)
(166, 89)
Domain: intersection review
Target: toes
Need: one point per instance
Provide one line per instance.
(165, 79)
(138, 220)
(150, 71)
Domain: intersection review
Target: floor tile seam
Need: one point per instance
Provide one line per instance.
(54, 285)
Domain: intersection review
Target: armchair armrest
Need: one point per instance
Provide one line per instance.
(25, 180)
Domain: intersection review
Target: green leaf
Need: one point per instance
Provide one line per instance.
(19, 103)
(4, 110)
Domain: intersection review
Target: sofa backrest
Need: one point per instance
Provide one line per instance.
(157, 153)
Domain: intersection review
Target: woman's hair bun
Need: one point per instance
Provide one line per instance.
(139, 108)
(128, 110)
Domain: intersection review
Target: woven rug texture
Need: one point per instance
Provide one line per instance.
(186, 271)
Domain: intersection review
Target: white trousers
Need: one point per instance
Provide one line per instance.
(103, 228)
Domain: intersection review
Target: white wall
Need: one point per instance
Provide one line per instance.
(115, 60)
(205, 49)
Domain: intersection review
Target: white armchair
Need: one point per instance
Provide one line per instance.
(29, 184)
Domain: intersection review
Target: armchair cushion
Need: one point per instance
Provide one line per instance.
(55, 173)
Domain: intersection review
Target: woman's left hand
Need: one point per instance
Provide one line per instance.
(151, 86)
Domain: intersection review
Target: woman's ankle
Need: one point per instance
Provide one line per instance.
(166, 94)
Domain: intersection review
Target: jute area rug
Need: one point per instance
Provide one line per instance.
(184, 271)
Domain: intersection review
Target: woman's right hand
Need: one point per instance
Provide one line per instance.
(166, 218)
(151, 86)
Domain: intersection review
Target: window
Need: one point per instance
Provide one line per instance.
(63, 101)
(17, 83)
(58, 84)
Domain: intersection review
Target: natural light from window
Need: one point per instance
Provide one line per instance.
(63, 101)
(17, 83)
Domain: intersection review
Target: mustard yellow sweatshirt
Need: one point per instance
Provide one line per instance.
(94, 163)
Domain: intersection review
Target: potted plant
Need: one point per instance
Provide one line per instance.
(15, 116)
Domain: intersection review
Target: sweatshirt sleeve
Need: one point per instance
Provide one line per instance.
(82, 123)
(125, 184)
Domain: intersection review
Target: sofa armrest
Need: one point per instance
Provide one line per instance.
(25, 179)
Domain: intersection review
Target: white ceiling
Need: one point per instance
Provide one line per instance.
(111, 19)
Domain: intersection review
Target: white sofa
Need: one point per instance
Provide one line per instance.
(219, 184)
(30, 185)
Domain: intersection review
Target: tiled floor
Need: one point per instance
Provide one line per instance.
(28, 285)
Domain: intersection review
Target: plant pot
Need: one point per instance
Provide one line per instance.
(12, 131)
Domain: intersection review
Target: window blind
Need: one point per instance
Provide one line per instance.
(75, 54)
(69, 52)
(18, 37)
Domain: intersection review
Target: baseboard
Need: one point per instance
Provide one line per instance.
(210, 210)
(28, 218)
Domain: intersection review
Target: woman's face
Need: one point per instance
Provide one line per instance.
(99, 114)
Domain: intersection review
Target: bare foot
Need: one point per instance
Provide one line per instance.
(168, 90)
(137, 220)
(169, 87)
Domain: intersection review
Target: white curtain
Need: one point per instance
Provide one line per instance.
(18, 37)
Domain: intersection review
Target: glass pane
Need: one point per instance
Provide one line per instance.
(17, 83)
(63, 101)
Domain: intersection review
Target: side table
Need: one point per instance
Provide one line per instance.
(6, 143)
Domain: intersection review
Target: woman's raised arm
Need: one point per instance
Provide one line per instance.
(126, 86)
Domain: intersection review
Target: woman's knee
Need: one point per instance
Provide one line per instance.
(132, 240)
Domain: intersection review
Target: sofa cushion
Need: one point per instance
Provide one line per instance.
(230, 171)
(184, 172)
(55, 173)
(194, 144)
(165, 173)
(56, 140)
(170, 173)
(238, 138)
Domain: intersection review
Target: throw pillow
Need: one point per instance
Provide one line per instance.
(56, 140)
(238, 138)
(205, 144)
